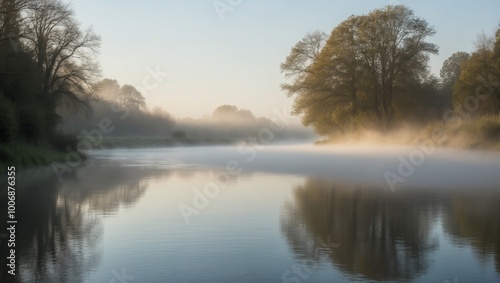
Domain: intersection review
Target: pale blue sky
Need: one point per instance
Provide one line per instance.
(235, 59)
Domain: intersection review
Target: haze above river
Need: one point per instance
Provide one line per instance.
(291, 213)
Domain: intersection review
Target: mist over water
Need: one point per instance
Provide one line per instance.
(362, 164)
(292, 212)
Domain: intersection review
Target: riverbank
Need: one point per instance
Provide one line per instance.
(481, 133)
(24, 155)
(478, 134)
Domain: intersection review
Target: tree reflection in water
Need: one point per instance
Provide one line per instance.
(60, 227)
(473, 218)
(381, 235)
(388, 236)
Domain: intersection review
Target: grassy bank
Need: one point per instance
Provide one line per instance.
(25, 155)
(481, 133)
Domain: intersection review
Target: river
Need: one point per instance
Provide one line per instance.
(290, 213)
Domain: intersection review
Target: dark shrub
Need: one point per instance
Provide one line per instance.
(8, 120)
(62, 141)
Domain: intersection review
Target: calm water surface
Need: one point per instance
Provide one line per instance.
(223, 214)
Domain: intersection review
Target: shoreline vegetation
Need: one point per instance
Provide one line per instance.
(27, 155)
(369, 80)
(473, 134)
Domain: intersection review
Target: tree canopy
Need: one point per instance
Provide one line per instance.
(232, 113)
(477, 90)
(361, 75)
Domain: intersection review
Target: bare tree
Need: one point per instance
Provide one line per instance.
(10, 12)
(63, 51)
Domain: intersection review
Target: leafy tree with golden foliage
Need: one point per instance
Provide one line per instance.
(477, 90)
(361, 74)
(450, 73)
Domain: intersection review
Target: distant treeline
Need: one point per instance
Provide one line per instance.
(372, 72)
(124, 106)
(229, 122)
(226, 124)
